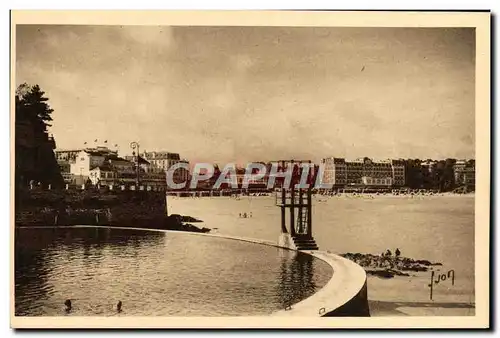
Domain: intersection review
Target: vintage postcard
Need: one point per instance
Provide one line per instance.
(260, 169)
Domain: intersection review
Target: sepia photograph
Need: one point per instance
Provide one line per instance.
(250, 169)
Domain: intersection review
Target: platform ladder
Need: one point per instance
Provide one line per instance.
(300, 225)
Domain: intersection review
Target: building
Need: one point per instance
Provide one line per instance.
(377, 182)
(373, 171)
(86, 160)
(465, 173)
(259, 183)
(64, 160)
(164, 160)
(105, 175)
(253, 183)
(398, 172)
(120, 173)
(104, 167)
(67, 156)
(65, 168)
(284, 165)
(363, 171)
(146, 166)
(182, 174)
(161, 160)
(334, 171)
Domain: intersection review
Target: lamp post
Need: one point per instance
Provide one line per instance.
(135, 145)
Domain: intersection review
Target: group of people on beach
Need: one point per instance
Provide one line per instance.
(245, 215)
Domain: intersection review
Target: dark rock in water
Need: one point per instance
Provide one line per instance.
(174, 222)
(381, 273)
(398, 273)
(187, 219)
(386, 273)
(174, 218)
(192, 228)
(388, 266)
(191, 219)
(415, 268)
(423, 262)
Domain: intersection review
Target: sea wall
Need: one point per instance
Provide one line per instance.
(357, 306)
(345, 295)
(113, 207)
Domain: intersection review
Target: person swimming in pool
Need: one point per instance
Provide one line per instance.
(67, 303)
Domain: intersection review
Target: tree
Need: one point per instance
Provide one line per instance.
(414, 173)
(33, 106)
(449, 174)
(34, 147)
(444, 178)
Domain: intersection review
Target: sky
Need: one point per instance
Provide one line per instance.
(240, 94)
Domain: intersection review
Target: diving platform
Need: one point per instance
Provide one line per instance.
(297, 234)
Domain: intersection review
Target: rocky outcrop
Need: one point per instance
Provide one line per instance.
(177, 223)
(388, 265)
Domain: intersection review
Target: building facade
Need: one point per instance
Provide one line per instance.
(364, 172)
(68, 156)
(377, 182)
(297, 168)
(398, 172)
(465, 173)
(102, 166)
(66, 159)
(164, 160)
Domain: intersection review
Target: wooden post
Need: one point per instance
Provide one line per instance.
(301, 213)
(292, 211)
(283, 211)
(431, 285)
(309, 212)
(166, 204)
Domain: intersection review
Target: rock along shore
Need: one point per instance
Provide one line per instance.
(387, 265)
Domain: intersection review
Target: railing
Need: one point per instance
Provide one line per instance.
(288, 198)
(103, 187)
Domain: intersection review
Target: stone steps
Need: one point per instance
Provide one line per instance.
(305, 243)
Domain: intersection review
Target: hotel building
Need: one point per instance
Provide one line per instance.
(363, 172)
(163, 160)
(465, 173)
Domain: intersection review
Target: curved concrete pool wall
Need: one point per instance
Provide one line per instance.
(345, 294)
